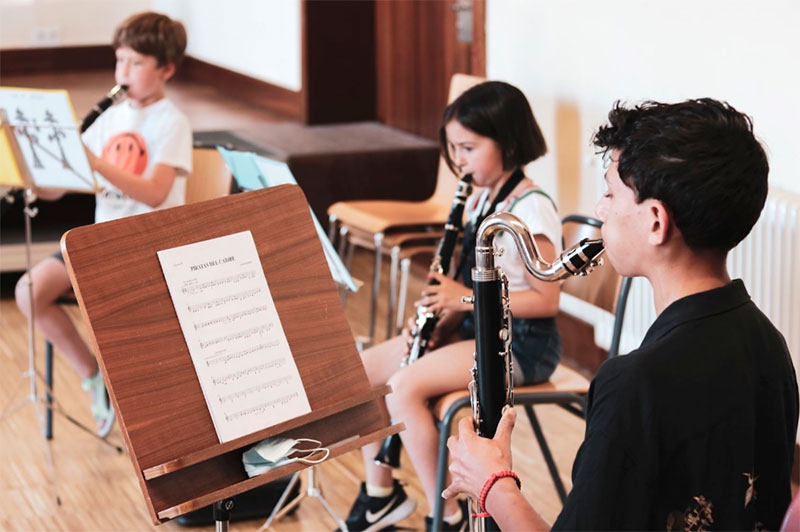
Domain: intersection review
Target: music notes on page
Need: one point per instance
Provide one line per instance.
(237, 343)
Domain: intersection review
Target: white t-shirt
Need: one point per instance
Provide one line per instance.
(136, 139)
(538, 213)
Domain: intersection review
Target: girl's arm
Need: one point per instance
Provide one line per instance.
(541, 301)
(151, 189)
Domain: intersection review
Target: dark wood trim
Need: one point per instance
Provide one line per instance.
(796, 465)
(339, 61)
(77, 58)
(245, 88)
(478, 58)
(61, 59)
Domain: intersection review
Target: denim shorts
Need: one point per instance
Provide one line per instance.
(535, 345)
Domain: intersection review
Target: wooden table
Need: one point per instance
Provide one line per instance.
(354, 161)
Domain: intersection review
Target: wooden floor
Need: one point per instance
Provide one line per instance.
(97, 485)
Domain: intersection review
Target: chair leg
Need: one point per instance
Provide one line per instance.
(332, 219)
(345, 247)
(548, 456)
(405, 266)
(390, 317)
(376, 283)
(48, 379)
(445, 427)
(343, 232)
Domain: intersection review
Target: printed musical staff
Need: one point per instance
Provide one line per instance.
(250, 372)
(252, 389)
(263, 407)
(225, 358)
(238, 335)
(230, 318)
(225, 300)
(237, 343)
(192, 289)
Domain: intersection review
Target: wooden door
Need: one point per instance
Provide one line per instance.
(419, 45)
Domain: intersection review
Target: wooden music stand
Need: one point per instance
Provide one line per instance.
(146, 364)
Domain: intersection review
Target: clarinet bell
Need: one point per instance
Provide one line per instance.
(389, 454)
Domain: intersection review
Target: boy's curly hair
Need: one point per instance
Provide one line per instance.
(699, 158)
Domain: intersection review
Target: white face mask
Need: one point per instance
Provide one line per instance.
(275, 452)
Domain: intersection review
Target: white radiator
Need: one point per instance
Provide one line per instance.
(768, 261)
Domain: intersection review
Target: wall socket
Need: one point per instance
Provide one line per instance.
(46, 35)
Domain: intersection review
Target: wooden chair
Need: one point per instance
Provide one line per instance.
(377, 224)
(604, 288)
(210, 179)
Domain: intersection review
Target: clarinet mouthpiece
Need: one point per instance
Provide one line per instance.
(583, 257)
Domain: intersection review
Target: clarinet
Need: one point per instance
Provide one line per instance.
(425, 321)
(491, 389)
(113, 95)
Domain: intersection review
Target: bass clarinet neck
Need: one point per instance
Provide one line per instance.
(580, 259)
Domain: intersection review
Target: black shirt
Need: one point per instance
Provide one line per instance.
(695, 429)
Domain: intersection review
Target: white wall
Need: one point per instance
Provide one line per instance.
(574, 58)
(258, 38)
(49, 23)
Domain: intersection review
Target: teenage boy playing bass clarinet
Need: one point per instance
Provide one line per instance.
(696, 428)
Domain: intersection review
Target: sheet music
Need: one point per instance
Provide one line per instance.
(234, 334)
(47, 133)
(253, 172)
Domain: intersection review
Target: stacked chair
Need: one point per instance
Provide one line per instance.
(387, 227)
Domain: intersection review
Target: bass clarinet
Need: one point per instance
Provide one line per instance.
(425, 321)
(491, 389)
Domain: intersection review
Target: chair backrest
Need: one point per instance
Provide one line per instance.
(604, 288)
(210, 177)
(446, 181)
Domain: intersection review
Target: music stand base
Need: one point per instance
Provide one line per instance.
(313, 490)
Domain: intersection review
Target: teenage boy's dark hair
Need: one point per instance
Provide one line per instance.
(699, 158)
(153, 34)
(501, 112)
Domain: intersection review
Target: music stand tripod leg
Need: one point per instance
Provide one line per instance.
(30, 374)
(280, 510)
(222, 514)
(313, 490)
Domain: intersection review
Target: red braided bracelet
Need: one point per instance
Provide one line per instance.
(488, 486)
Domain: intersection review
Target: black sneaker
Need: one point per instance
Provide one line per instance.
(461, 526)
(370, 514)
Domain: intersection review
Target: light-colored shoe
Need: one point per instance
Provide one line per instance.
(102, 410)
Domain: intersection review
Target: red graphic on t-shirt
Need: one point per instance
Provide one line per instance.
(127, 151)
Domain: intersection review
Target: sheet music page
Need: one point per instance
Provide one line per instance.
(253, 172)
(234, 334)
(48, 136)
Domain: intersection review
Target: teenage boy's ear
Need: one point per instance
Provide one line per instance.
(168, 71)
(659, 220)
